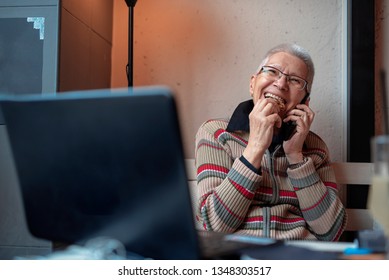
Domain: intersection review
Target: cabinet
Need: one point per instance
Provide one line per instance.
(46, 46)
(28, 64)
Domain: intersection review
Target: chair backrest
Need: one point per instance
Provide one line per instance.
(346, 173)
(355, 173)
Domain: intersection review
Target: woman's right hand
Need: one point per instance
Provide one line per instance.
(263, 120)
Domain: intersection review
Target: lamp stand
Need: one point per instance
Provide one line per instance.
(130, 64)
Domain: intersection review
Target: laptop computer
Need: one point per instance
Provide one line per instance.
(107, 163)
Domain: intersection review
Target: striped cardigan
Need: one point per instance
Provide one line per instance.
(280, 202)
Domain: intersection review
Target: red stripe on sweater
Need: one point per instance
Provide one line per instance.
(245, 192)
(316, 150)
(265, 190)
(331, 185)
(285, 220)
(221, 202)
(212, 167)
(218, 132)
(222, 131)
(317, 203)
(338, 234)
(209, 145)
(226, 208)
(254, 219)
(285, 193)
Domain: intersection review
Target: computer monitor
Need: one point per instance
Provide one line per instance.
(104, 163)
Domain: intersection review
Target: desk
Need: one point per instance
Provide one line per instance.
(268, 249)
(365, 257)
(340, 248)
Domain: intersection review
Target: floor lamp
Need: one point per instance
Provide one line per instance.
(130, 64)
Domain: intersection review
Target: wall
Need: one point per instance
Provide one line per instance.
(207, 50)
(85, 45)
(120, 43)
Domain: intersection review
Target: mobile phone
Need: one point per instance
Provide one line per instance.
(287, 129)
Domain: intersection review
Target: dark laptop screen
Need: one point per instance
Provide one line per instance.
(104, 163)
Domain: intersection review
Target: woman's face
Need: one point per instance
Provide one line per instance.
(265, 86)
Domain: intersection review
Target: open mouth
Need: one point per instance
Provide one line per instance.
(280, 102)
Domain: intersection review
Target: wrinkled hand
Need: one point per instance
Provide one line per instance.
(263, 118)
(303, 116)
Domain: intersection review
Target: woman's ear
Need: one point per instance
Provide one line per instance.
(252, 84)
(307, 101)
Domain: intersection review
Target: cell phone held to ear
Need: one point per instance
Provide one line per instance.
(289, 128)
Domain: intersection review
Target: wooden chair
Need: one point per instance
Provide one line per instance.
(347, 173)
(355, 173)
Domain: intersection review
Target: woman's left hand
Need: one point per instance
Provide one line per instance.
(303, 116)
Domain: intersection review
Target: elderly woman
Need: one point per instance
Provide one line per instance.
(262, 172)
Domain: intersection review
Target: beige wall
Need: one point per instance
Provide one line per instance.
(207, 50)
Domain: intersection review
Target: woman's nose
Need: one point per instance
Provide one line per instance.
(282, 82)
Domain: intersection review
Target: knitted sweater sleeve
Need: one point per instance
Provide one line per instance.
(226, 185)
(317, 192)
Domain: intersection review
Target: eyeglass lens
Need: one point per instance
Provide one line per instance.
(275, 73)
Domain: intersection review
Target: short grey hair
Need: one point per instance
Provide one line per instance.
(296, 51)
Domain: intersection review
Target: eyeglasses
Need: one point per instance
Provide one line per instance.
(276, 74)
